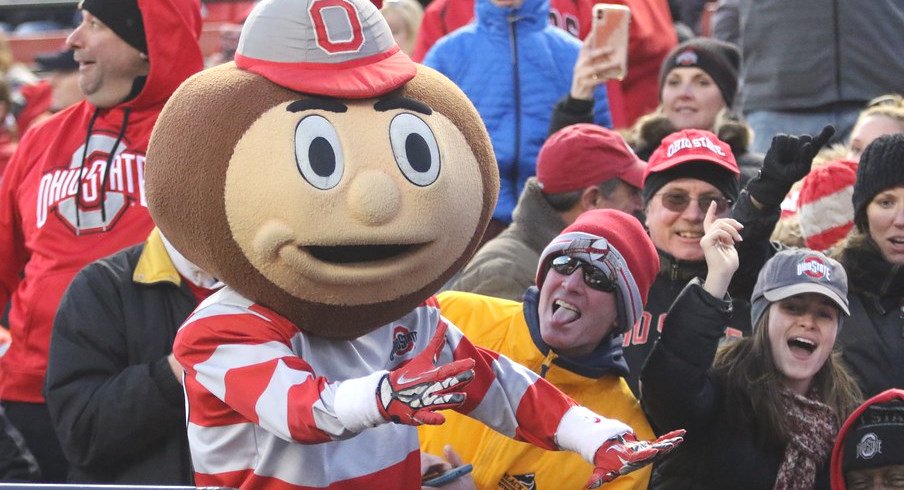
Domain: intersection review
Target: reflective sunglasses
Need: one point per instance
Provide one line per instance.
(679, 201)
(594, 277)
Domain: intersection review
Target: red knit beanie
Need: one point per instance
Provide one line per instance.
(824, 205)
(616, 243)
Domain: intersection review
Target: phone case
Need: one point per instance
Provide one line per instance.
(610, 28)
(448, 476)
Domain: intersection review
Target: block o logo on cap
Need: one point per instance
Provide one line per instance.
(334, 48)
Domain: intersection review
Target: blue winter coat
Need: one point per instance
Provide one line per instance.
(513, 66)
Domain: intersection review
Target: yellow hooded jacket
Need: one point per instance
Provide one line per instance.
(503, 463)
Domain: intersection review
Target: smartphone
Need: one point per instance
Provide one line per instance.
(610, 28)
(447, 477)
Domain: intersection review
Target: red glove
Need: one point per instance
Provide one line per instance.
(412, 393)
(624, 454)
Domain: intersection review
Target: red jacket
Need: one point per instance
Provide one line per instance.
(651, 37)
(44, 241)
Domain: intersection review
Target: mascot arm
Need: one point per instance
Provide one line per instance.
(246, 362)
(516, 402)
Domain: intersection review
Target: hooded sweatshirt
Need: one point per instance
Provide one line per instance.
(88, 160)
(838, 482)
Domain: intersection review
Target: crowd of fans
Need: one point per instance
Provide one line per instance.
(753, 184)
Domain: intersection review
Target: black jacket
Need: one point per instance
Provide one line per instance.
(872, 339)
(680, 391)
(673, 276)
(116, 406)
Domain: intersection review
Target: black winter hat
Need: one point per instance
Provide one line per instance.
(876, 438)
(881, 167)
(720, 60)
(123, 17)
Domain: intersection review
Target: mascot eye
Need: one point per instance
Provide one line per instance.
(415, 149)
(318, 153)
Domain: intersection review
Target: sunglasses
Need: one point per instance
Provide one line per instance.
(594, 277)
(679, 201)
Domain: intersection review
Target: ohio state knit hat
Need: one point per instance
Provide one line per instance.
(874, 434)
(797, 271)
(323, 47)
(881, 167)
(824, 204)
(616, 243)
(720, 60)
(122, 17)
(583, 155)
(695, 154)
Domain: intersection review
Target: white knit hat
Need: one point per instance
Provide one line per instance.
(824, 206)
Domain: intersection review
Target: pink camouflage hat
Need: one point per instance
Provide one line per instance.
(334, 48)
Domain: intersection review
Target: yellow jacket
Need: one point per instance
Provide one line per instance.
(503, 463)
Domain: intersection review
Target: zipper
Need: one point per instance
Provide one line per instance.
(513, 39)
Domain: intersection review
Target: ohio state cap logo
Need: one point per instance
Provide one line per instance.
(686, 58)
(869, 446)
(814, 267)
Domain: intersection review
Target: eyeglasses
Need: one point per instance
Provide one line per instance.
(594, 277)
(679, 201)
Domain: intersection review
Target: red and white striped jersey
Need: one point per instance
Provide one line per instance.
(261, 395)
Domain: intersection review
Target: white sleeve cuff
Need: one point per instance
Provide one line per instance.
(355, 402)
(583, 431)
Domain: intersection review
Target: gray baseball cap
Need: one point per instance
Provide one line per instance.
(798, 271)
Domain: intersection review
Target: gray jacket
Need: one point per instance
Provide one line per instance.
(507, 265)
(805, 54)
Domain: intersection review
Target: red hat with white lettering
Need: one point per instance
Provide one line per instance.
(696, 154)
(334, 48)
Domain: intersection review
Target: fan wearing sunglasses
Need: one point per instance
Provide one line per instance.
(592, 282)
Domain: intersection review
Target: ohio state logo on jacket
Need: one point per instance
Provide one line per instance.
(95, 190)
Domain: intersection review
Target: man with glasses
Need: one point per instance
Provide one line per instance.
(581, 167)
(691, 170)
(592, 283)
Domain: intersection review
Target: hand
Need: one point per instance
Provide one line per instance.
(412, 393)
(175, 367)
(718, 243)
(431, 463)
(593, 67)
(624, 454)
(788, 160)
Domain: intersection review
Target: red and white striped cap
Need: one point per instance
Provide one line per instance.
(334, 48)
(825, 209)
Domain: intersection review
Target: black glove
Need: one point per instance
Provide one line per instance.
(788, 160)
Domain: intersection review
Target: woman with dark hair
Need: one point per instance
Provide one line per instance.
(873, 255)
(763, 411)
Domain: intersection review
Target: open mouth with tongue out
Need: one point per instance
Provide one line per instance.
(564, 312)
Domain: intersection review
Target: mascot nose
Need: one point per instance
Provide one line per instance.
(374, 198)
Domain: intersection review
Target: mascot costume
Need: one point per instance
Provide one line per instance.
(334, 185)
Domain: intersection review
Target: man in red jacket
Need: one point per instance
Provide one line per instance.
(74, 190)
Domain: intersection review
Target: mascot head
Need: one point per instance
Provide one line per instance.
(323, 174)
